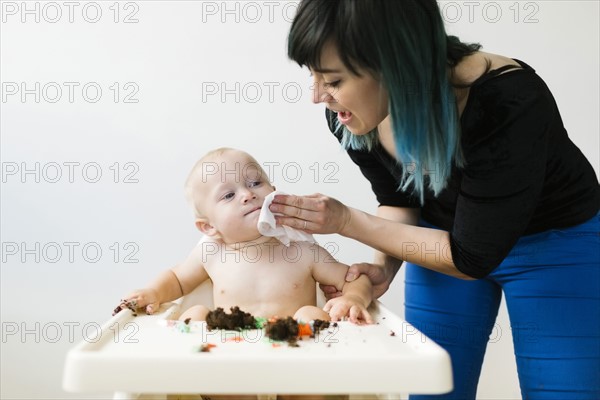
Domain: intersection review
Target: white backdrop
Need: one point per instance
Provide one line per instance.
(106, 106)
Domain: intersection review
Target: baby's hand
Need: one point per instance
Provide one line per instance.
(142, 298)
(348, 306)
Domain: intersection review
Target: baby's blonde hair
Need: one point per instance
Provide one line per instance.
(195, 176)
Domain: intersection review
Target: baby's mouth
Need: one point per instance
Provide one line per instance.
(253, 210)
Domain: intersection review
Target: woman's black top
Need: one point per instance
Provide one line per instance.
(522, 173)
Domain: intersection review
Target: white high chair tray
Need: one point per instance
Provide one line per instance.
(144, 354)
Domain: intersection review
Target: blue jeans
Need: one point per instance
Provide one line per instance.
(551, 281)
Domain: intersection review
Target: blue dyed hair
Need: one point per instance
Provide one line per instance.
(404, 45)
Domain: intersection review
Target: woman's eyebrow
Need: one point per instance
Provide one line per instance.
(326, 70)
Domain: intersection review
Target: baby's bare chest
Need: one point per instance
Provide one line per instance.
(249, 273)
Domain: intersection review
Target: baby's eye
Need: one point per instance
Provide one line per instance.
(228, 196)
(254, 183)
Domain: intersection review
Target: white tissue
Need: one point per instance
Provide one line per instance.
(285, 234)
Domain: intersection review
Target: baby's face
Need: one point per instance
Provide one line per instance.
(233, 194)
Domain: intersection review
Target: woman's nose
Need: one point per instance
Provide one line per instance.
(319, 94)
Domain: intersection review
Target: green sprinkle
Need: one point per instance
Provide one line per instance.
(260, 322)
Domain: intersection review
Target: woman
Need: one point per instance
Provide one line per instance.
(481, 191)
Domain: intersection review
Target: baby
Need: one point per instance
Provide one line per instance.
(259, 274)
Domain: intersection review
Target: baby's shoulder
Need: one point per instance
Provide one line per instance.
(208, 246)
(298, 253)
(314, 252)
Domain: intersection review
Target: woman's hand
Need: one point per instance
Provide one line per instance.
(380, 277)
(315, 213)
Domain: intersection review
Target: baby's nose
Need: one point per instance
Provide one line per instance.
(248, 195)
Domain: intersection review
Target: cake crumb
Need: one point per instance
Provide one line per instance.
(126, 304)
(290, 330)
(282, 329)
(234, 321)
(205, 348)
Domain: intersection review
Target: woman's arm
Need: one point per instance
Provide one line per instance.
(404, 215)
(429, 248)
(391, 265)
(384, 267)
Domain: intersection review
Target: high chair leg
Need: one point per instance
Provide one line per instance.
(125, 396)
(138, 396)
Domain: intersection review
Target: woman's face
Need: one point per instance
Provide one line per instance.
(360, 102)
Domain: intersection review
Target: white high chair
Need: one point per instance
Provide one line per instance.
(147, 357)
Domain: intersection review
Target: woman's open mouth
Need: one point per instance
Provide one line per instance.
(344, 117)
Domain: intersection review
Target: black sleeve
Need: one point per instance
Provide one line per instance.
(383, 183)
(503, 176)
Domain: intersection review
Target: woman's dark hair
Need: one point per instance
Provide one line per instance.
(404, 45)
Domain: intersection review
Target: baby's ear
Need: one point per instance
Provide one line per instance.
(205, 227)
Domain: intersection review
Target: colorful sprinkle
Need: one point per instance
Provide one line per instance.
(205, 348)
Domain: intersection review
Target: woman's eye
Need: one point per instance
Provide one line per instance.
(333, 84)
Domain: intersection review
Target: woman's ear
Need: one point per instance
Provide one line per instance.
(205, 227)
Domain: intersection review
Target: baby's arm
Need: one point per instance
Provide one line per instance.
(171, 284)
(356, 295)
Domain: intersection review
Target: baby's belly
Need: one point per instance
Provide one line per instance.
(282, 304)
(264, 290)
